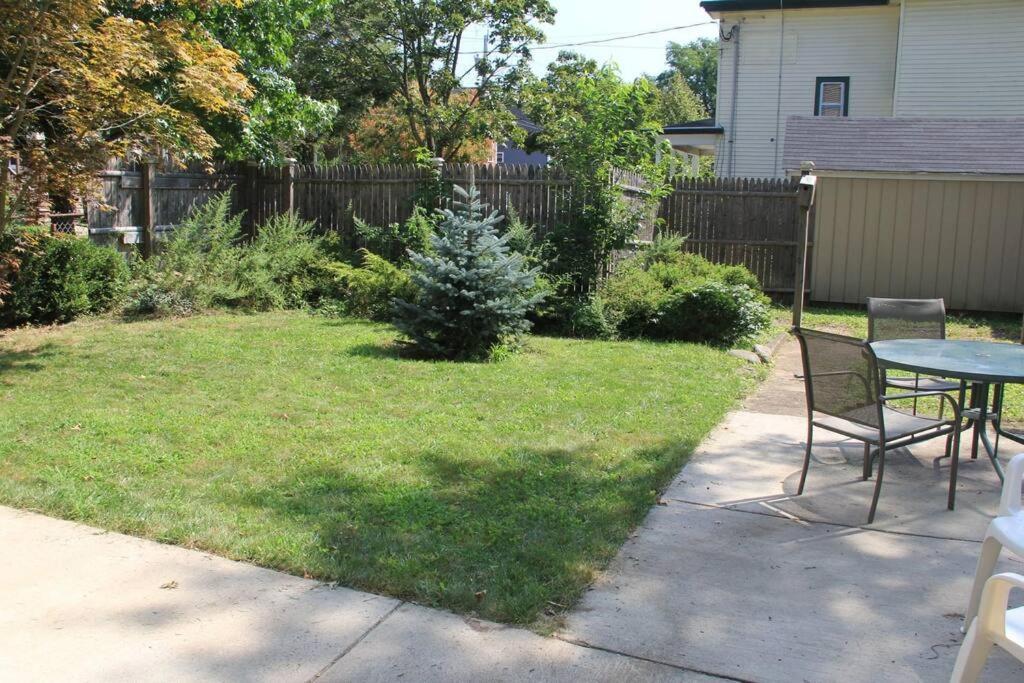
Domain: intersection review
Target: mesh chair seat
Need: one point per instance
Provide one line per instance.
(922, 383)
(898, 425)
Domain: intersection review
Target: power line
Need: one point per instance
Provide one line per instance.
(561, 46)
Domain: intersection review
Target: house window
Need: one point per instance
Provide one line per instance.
(832, 96)
(500, 158)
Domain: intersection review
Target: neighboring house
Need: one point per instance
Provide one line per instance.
(509, 153)
(855, 59)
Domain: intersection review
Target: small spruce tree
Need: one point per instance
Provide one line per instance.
(473, 292)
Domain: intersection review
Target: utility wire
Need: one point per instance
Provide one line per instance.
(561, 46)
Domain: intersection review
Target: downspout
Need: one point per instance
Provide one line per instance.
(778, 91)
(733, 35)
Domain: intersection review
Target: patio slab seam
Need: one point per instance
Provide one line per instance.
(817, 522)
(575, 642)
(351, 646)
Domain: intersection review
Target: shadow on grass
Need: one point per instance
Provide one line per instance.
(27, 360)
(509, 536)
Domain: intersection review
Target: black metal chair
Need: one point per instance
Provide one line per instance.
(909, 319)
(842, 383)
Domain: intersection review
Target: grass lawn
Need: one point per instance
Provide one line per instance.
(303, 443)
(854, 322)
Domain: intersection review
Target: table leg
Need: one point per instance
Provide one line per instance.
(954, 454)
(975, 392)
(981, 430)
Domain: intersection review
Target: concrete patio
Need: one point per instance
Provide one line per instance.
(731, 578)
(735, 576)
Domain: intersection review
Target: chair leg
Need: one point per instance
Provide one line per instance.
(986, 565)
(807, 458)
(878, 482)
(867, 461)
(972, 656)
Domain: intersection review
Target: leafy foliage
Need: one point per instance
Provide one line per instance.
(473, 293)
(66, 277)
(420, 44)
(206, 264)
(368, 291)
(395, 241)
(697, 63)
(593, 123)
(84, 81)
(678, 103)
(666, 293)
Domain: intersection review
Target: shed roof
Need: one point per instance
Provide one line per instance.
(761, 5)
(991, 146)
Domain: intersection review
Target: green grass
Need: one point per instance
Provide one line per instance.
(306, 444)
(854, 322)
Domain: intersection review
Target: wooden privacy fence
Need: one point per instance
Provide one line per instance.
(149, 198)
(738, 221)
(741, 221)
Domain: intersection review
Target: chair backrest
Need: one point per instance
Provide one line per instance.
(906, 319)
(840, 376)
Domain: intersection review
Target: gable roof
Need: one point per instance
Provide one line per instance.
(761, 5)
(524, 122)
(991, 146)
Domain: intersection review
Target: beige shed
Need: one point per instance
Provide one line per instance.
(916, 208)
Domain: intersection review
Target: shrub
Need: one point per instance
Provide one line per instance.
(395, 241)
(65, 278)
(472, 293)
(666, 293)
(713, 312)
(207, 264)
(588, 320)
(368, 291)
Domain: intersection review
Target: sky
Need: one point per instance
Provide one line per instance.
(582, 20)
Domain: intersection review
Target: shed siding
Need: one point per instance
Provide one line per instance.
(856, 42)
(961, 58)
(961, 240)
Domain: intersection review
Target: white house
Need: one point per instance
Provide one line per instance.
(870, 59)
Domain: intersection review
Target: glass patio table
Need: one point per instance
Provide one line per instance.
(981, 363)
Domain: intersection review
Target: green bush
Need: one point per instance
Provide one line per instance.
(666, 293)
(367, 291)
(395, 241)
(714, 312)
(63, 278)
(588, 320)
(207, 264)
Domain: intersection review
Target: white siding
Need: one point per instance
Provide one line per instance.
(856, 42)
(961, 58)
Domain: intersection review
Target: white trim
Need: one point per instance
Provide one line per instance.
(923, 175)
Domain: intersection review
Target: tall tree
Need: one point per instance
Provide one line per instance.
(697, 63)
(678, 103)
(450, 92)
(81, 82)
(281, 117)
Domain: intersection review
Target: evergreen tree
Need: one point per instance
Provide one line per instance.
(473, 291)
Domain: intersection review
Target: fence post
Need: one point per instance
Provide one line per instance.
(805, 198)
(251, 196)
(148, 207)
(289, 185)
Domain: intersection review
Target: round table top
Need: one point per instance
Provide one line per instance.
(980, 361)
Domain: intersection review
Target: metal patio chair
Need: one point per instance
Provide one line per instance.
(909, 319)
(842, 383)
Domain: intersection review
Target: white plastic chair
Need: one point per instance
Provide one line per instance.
(995, 625)
(1005, 531)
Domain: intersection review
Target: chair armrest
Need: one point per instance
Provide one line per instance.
(922, 394)
(1013, 476)
(995, 600)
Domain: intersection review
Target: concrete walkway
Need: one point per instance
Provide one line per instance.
(736, 576)
(731, 578)
(81, 604)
